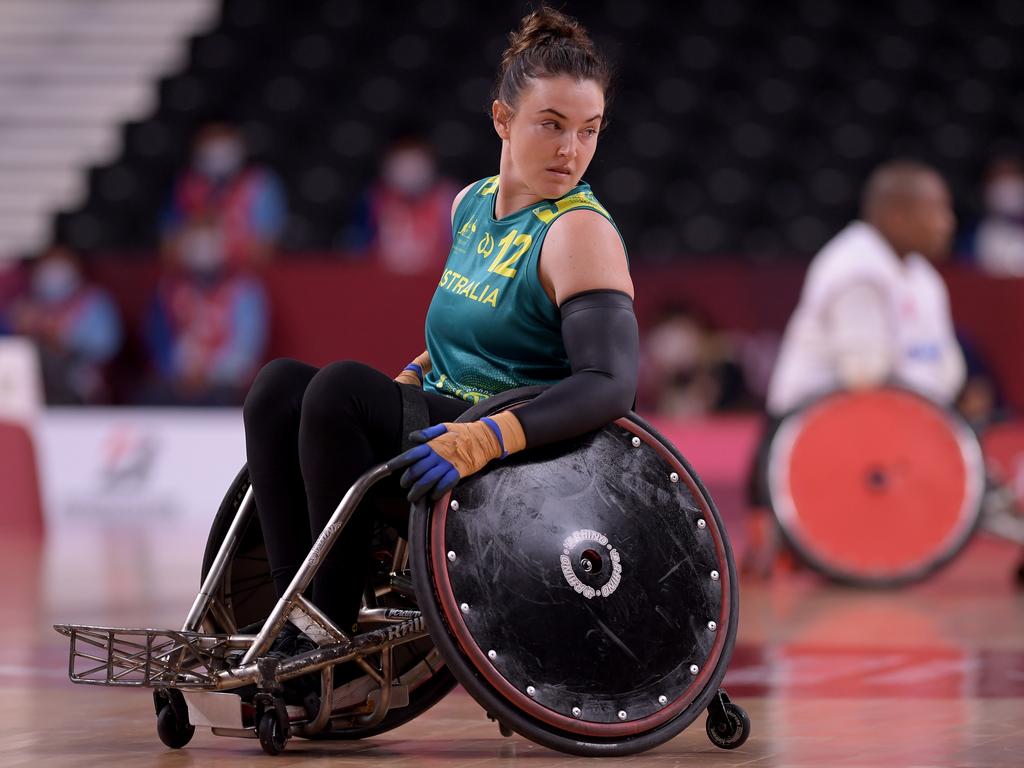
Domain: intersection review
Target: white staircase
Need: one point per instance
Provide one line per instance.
(71, 72)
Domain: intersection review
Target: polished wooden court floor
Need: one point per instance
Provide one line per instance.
(927, 676)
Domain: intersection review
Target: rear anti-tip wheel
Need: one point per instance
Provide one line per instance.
(272, 732)
(729, 728)
(172, 725)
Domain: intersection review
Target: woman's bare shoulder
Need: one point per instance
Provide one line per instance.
(583, 252)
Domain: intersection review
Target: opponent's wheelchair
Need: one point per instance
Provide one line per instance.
(584, 594)
(882, 487)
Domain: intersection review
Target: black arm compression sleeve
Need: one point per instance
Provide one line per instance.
(603, 345)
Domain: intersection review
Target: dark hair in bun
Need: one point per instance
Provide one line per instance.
(549, 43)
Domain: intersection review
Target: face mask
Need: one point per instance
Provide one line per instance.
(410, 171)
(55, 281)
(1005, 197)
(202, 251)
(219, 158)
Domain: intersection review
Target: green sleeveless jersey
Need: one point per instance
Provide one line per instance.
(491, 326)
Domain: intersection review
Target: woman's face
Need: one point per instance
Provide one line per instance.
(553, 133)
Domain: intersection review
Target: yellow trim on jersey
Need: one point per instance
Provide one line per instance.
(489, 187)
(579, 200)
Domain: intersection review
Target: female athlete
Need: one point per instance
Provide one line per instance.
(536, 290)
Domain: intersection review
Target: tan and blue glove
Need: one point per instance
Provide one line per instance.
(414, 372)
(453, 451)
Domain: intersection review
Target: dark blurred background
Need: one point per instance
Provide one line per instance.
(737, 127)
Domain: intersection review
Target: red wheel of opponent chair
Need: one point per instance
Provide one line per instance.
(875, 488)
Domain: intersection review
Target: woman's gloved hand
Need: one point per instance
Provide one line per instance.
(414, 372)
(452, 451)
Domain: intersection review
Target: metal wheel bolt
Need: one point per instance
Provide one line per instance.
(712, 625)
(694, 669)
(530, 690)
(492, 655)
(714, 575)
(702, 524)
(622, 714)
(663, 700)
(464, 607)
(636, 442)
(576, 711)
(451, 556)
(455, 505)
(674, 477)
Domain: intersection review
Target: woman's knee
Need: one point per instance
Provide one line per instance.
(277, 389)
(346, 387)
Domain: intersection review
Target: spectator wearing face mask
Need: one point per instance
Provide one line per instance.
(689, 367)
(999, 240)
(75, 325)
(404, 220)
(207, 326)
(246, 201)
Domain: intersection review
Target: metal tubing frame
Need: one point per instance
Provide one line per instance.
(325, 541)
(401, 626)
(357, 648)
(220, 563)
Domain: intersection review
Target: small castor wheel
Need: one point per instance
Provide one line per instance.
(728, 724)
(172, 725)
(272, 732)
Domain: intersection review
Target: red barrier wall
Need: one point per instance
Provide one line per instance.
(327, 309)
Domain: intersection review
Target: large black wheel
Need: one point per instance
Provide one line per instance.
(172, 725)
(248, 595)
(584, 594)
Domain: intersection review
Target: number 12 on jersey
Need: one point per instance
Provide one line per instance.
(501, 265)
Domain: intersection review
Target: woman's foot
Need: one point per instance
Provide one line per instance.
(303, 691)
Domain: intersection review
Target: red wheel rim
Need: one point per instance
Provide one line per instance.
(876, 484)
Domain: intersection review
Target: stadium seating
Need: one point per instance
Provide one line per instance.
(734, 129)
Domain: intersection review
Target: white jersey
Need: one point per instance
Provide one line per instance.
(866, 316)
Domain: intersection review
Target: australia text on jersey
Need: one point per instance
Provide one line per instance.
(463, 286)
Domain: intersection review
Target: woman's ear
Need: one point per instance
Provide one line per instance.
(502, 115)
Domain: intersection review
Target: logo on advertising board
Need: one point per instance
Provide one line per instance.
(120, 480)
(127, 459)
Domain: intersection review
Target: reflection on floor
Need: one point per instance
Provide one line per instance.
(927, 676)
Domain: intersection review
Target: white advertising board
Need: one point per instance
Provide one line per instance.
(131, 467)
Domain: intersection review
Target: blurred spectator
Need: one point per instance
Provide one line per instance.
(689, 367)
(12, 286)
(404, 219)
(246, 201)
(207, 325)
(998, 243)
(75, 325)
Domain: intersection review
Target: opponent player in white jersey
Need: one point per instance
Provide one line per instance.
(873, 310)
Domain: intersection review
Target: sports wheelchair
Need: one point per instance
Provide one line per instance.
(583, 593)
(883, 487)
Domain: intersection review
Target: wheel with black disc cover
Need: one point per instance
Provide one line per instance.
(583, 593)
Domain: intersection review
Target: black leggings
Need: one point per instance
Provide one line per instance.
(309, 434)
